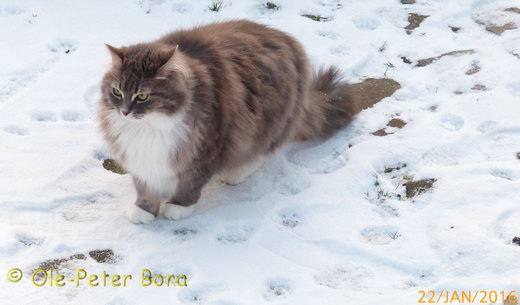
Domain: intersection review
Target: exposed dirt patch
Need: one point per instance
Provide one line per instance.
(380, 133)
(105, 256)
(414, 188)
(318, 18)
(479, 87)
(415, 21)
(427, 61)
(513, 9)
(372, 90)
(497, 29)
(397, 123)
(111, 165)
(58, 263)
(474, 69)
(395, 168)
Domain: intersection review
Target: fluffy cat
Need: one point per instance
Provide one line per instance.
(213, 100)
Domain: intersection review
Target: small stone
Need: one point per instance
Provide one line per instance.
(518, 155)
(407, 1)
(516, 240)
(271, 6)
(406, 60)
(454, 29)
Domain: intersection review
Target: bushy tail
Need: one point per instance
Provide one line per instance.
(331, 107)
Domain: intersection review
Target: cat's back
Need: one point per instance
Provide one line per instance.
(237, 35)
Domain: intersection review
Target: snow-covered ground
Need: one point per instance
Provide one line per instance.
(319, 224)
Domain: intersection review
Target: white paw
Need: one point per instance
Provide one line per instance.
(137, 215)
(176, 212)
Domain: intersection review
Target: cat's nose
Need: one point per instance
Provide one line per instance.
(125, 112)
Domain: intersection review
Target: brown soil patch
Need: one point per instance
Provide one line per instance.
(497, 29)
(414, 188)
(475, 68)
(513, 10)
(105, 256)
(398, 123)
(415, 21)
(372, 90)
(427, 61)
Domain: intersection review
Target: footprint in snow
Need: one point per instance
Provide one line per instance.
(452, 122)
(366, 22)
(292, 184)
(28, 240)
(487, 126)
(277, 288)
(197, 295)
(182, 8)
(503, 174)
(91, 96)
(345, 276)
(185, 232)
(43, 116)
(62, 45)
(329, 34)
(119, 301)
(289, 218)
(16, 130)
(7, 11)
(23, 78)
(235, 234)
(339, 50)
(380, 235)
(73, 116)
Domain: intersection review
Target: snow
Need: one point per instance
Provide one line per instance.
(320, 223)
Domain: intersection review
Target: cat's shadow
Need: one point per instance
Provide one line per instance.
(286, 173)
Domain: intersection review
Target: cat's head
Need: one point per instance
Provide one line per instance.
(146, 78)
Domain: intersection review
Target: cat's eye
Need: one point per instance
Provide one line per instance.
(117, 92)
(141, 97)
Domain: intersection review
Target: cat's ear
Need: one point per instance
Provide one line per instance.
(175, 62)
(117, 55)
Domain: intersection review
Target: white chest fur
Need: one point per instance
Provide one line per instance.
(147, 145)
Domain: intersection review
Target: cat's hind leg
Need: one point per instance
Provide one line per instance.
(240, 174)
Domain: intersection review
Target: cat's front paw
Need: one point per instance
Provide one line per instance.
(137, 215)
(176, 212)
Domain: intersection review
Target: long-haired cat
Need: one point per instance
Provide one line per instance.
(213, 100)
